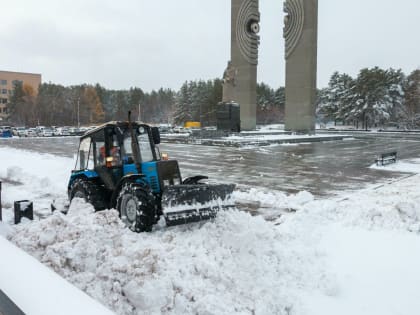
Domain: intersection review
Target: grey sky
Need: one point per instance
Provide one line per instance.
(162, 43)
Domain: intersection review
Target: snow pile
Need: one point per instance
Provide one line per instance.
(271, 204)
(237, 264)
(39, 291)
(354, 255)
(33, 176)
(394, 206)
(5, 229)
(411, 166)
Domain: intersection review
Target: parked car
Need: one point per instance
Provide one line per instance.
(31, 132)
(74, 131)
(39, 129)
(19, 131)
(46, 132)
(165, 128)
(6, 132)
(62, 131)
(210, 128)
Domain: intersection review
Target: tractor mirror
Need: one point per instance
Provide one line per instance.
(156, 135)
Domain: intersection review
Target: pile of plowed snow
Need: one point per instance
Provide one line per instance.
(354, 255)
(235, 264)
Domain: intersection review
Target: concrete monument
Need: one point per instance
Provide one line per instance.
(228, 111)
(301, 36)
(244, 59)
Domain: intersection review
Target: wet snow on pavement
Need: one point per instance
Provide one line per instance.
(355, 253)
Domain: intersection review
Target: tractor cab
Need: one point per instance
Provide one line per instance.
(114, 151)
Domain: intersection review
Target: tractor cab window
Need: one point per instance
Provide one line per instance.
(85, 157)
(100, 153)
(114, 151)
(146, 150)
(128, 150)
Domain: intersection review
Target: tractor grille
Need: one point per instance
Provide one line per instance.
(168, 171)
(154, 183)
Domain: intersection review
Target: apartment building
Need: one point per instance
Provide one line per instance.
(7, 80)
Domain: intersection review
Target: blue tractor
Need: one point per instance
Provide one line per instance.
(119, 166)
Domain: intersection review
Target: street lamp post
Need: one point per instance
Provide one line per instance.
(78, 112)
(138, 118)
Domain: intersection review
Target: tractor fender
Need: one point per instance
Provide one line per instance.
(125, 179)
(88, 175)
(193, 180)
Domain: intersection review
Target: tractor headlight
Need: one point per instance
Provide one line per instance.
(109, 160)
(166, 182)
(177, 181)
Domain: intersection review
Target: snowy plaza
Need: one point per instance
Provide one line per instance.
(342, 239)
(240, 157)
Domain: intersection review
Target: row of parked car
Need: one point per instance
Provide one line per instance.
(42, 131)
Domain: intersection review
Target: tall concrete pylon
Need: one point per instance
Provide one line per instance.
(301, 38)
(244, 58)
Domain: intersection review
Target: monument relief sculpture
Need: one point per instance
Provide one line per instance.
(244, 56)
(229, 83)
(293, 24)
(247, 29)
(300, 33)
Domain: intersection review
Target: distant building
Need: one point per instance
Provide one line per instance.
(7, 80)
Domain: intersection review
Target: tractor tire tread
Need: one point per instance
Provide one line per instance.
(146, 208)
(94, 193)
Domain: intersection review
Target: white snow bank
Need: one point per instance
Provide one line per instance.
(357, 255)
(376, 273)
(237, 264)
(409, 166)
(37, 290)
(37, 177)
(274, 200)
(5, 229)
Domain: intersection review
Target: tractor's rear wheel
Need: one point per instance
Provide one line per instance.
(137, 207)
(90, 192)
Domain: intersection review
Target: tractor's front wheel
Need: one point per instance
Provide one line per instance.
(90, 192)
(137, 207)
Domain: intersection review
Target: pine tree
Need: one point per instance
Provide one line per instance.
(379, 93)
(121, 105)
(411, 111)
(183, 105)
(336, 101)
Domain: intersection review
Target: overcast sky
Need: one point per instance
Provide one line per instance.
(162, 43)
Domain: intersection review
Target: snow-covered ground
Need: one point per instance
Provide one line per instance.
(355, 254)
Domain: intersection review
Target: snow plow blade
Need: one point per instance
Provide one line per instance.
(183, 204)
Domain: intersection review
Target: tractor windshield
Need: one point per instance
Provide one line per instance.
(85, 156)
(146, 151)
(145, 147)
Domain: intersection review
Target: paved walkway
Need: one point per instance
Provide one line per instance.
(7, 307)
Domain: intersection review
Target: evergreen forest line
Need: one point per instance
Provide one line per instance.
(376, 97)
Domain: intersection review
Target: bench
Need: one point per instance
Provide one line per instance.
(386, 158)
